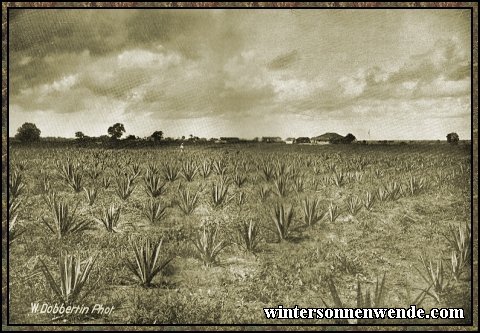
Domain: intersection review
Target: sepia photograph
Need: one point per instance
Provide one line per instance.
(241, 166)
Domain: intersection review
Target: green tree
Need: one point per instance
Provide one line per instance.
(79, 135)
(28, 132)
(453, 138)
(116, 131)
(349, 138)
(157, 136)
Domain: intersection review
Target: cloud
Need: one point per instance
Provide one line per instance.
(439, 72)
(172, 65)
(446, 57)
(283, 61)
(47, 44)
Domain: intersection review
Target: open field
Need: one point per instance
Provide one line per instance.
(243, 228)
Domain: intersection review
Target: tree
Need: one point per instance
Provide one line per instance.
(453, 138)
(28, 132)
(79, 135)
(349, 138)
(157, 136)
(116, 131)
(131, 137)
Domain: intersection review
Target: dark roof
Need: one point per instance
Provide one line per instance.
(328, 137)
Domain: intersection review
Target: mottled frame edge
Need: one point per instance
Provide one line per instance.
(474, 152)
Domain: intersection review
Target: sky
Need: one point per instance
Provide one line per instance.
(398, 74)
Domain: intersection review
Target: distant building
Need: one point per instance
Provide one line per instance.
(290, 141)
(302, 140)
(326, 138)
(229, 140)
(271, 139)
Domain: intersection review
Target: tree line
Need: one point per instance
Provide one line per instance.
(29, 132)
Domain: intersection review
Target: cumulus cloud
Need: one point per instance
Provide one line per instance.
(283, 61)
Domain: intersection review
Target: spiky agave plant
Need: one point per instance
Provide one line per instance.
(220, 193)
(72, 175)
(154, 211)
(153, 185)
(45, 184)
(65, 221)
(440, 177)
(206, 169)
(457, 265)
(147, 263)
(331, 166)
(366, 300)
(337, 301)
(74, 275)
(124, 187)
(460, 242)
(333, 212)
(267, 170)
(281, 169)
(187, 202)
(298, 184)
(363, 300)
(16, 185)
(394, 190)
(433, 276)
(49, 199)
(369, 200)
(14, 231)
(110, 218)
(106, 181)
(76, 181)
(382, 194)
(170, 172)
(94, 172)
(239, 179)
(248, 235)
(91, 195)
(357, 176)
(378, 173)
(13, 206)
(311, 211)
(354, 205)
(338, 178)
(207, 246)
(189, 170)
(134, 171)
(241, 199)
(325, 180)
(263, 193)
(317, 170)
(220, 167)
(22, 165)
(292, 171)
(152, 168)
(282, 218)
(415, 185)
(281, 185)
